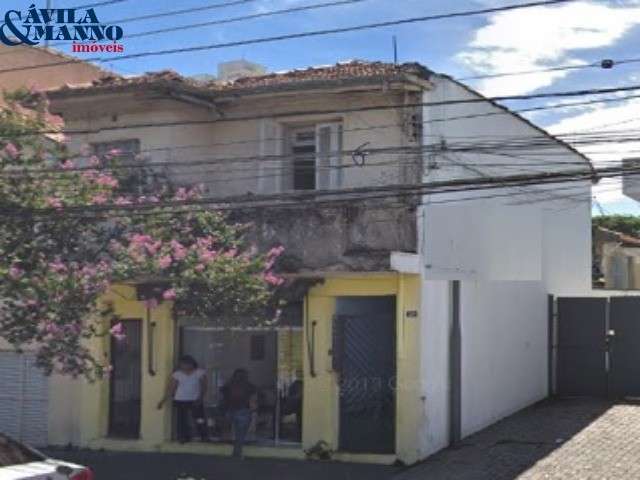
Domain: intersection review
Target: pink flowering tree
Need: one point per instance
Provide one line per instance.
(70, 230)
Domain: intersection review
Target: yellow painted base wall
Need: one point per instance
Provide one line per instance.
(321, 393)
(320, 408)
(94, 398)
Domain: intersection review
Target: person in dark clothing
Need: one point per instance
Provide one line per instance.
(187, 388)
(240, 400)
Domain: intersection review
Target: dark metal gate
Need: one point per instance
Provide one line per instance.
(598, 347)
(624, 347)
(581, 361)
(365, 356)
(125, 391)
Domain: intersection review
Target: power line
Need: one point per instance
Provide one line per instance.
(605, 64)
(479, 99)
(292, 36)
(98, 4)
(172, 13)
(315, 6)
(535, 146)
(371, 127)
(359, 193)
(487, 146)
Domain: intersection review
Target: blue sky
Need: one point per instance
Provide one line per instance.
(579, 32)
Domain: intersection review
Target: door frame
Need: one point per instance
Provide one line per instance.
(396, 359)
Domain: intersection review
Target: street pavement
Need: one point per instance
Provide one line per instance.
(572, 439)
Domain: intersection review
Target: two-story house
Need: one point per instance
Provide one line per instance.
(415, 317)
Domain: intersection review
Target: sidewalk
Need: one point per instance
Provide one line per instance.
(168, 466)
(573, 439)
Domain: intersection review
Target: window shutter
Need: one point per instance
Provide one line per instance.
(329, 156)
(271, 169)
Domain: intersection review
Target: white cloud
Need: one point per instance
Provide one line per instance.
(621, 119)
(541, 37)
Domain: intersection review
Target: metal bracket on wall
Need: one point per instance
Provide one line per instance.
(310, 341)
(151, 330)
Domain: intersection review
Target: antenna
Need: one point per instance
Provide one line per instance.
(46, 42)
(395, 50)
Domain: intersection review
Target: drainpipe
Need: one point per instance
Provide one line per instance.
(455, 368)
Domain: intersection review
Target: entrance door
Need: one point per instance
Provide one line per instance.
(125, 384)
(365, 344)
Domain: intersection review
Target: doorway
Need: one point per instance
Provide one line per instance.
(126, 381)
(273, 359)
(365, 349)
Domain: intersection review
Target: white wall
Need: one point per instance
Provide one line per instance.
(504, 349)
(509, 247)
(434, 358)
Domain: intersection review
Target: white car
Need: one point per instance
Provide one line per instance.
(20, 462)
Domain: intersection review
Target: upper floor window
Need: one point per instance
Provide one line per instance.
(316, 160)
(137, 180)
(301, 156)
(126, 149)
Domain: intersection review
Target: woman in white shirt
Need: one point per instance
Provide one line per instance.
(187, 388)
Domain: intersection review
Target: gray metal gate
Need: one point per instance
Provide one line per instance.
(598, 347)
(23, 398)
(624, 347)
(581, 358)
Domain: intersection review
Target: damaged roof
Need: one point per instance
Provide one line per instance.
(608, 235)
(345, 73)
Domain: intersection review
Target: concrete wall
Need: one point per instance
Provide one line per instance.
(355, 236)
(504, 345)
(434, 365)
(509, 247)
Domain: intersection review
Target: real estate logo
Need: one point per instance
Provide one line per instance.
(80, 26)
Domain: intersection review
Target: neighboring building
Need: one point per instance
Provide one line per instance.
(616, 259)
(25, 406)
(413, 318)
(235, 69)
(43, 78)
(631, 180)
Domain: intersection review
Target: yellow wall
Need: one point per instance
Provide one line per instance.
(155, 424)
(321, 395)
(320, 410)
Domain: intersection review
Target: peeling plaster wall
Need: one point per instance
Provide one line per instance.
(354, 237)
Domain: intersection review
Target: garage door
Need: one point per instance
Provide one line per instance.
(23, 399)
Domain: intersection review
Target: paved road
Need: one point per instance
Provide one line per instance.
(559, 440)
